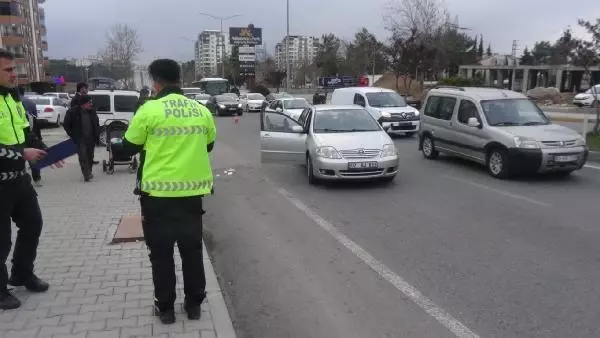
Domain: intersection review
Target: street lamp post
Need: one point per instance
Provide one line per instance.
(221, 18)
(287, 49)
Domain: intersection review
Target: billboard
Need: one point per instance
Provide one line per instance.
(247, 57)
(247, 68)
(337, 81)
(245, 36)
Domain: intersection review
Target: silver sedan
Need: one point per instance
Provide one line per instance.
(334, 142)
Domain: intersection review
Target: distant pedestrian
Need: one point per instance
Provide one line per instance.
(144, 96)
(82, 89)
(31, 110)
(174, 175)
(82, 125)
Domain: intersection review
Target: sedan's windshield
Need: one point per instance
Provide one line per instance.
(344, 121)
(513, 112)
(385, 99)
(41, 101)
(295, 104)
(224, 98)
(256, 97)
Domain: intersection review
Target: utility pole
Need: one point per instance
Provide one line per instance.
(513, 79)
(287, 50)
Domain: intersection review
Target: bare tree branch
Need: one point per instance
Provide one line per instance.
(121, 50)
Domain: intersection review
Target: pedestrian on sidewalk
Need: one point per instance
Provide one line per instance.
(31, 110)
(82, 89)
(83, 127)
(18, 199)
(174, 174)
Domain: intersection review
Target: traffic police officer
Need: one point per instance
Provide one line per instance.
(18, 199)
(174, 135)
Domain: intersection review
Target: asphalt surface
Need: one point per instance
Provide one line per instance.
(443, 251)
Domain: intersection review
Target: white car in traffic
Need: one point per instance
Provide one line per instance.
(590, 98)
(290, 106)
(252, 102)
(50, 110)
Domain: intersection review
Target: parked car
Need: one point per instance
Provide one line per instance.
(113, 104)
(252, 102)
(202, 98)
(64, 97)
(50, 110)
(220, 105)
(291, 107)
(334, 142)
(501, 129)
(385, 105)
(589, 98)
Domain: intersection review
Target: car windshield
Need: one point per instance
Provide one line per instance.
(513, 112)
(40, 101)
(224, 98)
(256, 97)
(295, 104)
(385, 99)
(344, 121)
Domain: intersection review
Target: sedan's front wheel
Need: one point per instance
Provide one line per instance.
(310, 171)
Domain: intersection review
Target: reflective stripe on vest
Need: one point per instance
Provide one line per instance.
(176, 186)
(11, 175)
(176, 131)
(10, 154)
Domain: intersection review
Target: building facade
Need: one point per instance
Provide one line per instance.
(23, 32)
(301, 53)
(211, 48)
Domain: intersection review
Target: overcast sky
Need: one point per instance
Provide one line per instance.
(78, 28)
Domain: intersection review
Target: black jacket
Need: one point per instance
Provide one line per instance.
(73, 127)
(75, 100)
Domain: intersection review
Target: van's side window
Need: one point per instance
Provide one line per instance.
(359, 100)
(466, 110)
(440, 107)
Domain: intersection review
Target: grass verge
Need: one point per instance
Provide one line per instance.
(593, 141)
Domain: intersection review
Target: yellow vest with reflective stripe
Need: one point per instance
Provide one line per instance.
(13, 119)
(177, 131)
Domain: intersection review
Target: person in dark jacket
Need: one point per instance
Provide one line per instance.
(144, 96)
(83, 127)
(31, 109)
(82, 89)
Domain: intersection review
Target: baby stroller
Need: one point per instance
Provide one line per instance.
(115, 132)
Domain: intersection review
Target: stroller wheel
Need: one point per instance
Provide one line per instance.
(104, 166)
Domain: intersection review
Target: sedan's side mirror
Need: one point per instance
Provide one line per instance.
(279, 110)
(297, 129)
(473, 122)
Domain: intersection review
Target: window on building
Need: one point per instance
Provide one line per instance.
(10, 8)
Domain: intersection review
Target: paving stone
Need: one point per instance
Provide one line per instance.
(21, 333)
(128, 332)
(91, 326)
(51, 331)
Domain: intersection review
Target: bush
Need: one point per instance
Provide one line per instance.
(460, 82)
(262, 89)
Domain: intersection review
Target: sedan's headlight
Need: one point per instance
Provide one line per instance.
(388, 150)
(386, 115)
(328, 152)
(417, 113)
(222, 106)
(580, 142)
(239, 105)
(526, 143)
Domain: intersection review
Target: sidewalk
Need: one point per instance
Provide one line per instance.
(100, 289)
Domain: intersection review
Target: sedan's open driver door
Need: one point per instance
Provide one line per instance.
(282, 139)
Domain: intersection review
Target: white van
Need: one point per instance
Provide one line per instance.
(385, 105)
(113, 104)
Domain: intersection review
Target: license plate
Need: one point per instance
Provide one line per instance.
(232, 108)
(565, 158)
(362, 165)
(400, 124)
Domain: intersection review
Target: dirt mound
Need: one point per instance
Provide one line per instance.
(389, 81)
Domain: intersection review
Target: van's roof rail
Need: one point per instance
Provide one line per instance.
(462, 89)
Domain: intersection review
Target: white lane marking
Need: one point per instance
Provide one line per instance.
(501, 192)
(592, 166)
(444, 318)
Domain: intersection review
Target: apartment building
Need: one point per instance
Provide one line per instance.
(302, 50)
(211, 48)
(23, 32)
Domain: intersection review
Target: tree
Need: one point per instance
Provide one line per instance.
(328, 59)
(542, 52)
(120, 51)
(480, 48)
(587, 54)
(366, 55)
(526, 58)
(488, 51)
(563, 48)
(400, 52)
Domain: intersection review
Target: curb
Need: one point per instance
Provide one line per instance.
(220, 315)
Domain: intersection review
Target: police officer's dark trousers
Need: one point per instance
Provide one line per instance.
(18, 201)
(167, 221)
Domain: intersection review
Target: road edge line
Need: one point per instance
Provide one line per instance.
(440, 315)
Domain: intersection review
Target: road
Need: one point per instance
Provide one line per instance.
(444, 251)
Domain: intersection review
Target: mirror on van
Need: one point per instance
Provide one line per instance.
(473, 122)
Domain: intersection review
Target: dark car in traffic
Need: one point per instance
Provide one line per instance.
(224, 105)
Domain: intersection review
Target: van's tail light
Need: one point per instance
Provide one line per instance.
(48, 110)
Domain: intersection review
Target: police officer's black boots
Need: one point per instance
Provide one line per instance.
(31, 282)
(8, 301)
(166, 316)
